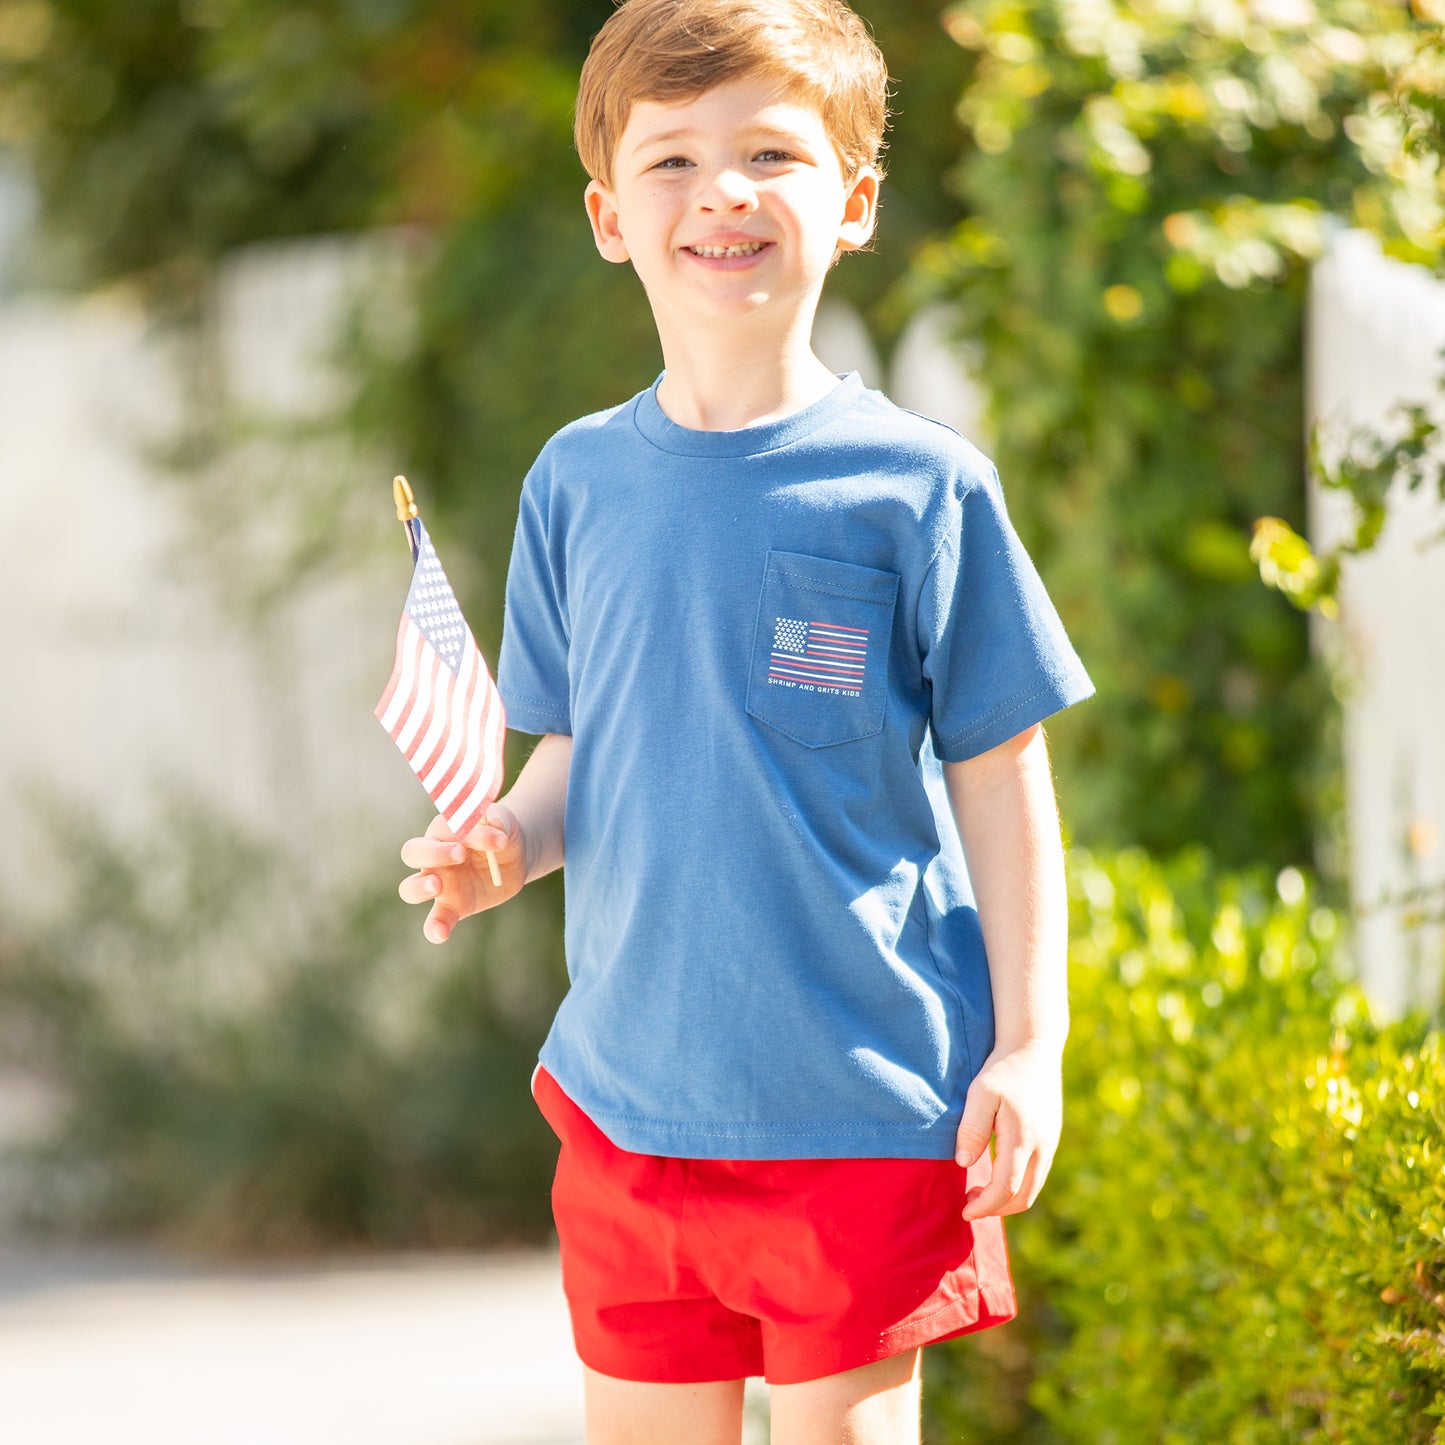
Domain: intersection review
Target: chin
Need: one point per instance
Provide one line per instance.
(743, 304)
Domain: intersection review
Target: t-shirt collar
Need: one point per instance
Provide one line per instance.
(668, 436)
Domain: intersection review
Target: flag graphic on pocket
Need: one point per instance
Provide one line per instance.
(818, 655)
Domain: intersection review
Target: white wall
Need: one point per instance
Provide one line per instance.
(931, 372)
(140, 642)
(150, 636)
(1376, 329)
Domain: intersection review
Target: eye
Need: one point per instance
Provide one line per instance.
(672, 163)
(776, 157)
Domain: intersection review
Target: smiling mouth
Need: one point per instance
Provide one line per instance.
(712, 252)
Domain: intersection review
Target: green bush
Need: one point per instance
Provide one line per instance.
(1242, 1240)
(243, 1066)
(1147, 184)
(1243, 1236)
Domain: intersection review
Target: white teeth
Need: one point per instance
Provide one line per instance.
(751, 248)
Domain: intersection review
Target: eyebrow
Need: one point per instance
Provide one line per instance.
(766, 132)
(662, 137)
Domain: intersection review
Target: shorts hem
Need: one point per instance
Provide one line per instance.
(965, 1316)
(663, 1372)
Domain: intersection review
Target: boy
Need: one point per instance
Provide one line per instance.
(788, 661)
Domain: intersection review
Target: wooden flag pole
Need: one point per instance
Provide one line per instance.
(407, 514)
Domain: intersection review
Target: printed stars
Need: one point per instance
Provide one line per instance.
(790, 635)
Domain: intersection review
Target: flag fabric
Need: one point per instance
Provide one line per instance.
(819, 654)
(441, 707)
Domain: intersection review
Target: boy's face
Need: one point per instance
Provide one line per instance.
(730, 204)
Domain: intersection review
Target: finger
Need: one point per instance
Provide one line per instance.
(440, 828)
(419, 887)
(1009, 1168)
(1043, 1161)
(979, 1109)
(990, 1199)
(1028, 1190)
(432, 853)
(439, 924)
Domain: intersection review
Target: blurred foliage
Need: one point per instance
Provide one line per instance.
(162, 136)
(239, 1068)
(1365, 464)
(1242, 1239)
(1146, 186)
(1126, 233)
(1243, 1235)
(1367, 467)
(164, 133)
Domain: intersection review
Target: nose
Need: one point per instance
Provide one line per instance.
(729, 190)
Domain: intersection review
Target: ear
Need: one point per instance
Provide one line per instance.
(860, 210)
(602, 213)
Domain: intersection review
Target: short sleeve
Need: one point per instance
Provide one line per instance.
(532, 667)
(994, 651)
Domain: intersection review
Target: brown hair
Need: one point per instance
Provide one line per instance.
(666, 50)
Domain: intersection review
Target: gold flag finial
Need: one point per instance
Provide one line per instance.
(405, 502)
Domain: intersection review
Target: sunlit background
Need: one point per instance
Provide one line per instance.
(1175, 265)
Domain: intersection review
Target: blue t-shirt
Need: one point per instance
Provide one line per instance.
(762, 642)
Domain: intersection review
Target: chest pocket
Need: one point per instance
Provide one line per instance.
(819, 669)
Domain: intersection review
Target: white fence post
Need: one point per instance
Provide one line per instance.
(1376, 327)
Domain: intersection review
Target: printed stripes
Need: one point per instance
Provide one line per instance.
(819, 654)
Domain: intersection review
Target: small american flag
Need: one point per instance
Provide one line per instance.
(820, 654)
(441, 706)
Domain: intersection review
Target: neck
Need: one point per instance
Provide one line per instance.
(723, 377)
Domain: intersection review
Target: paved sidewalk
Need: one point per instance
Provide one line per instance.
(420, 1350)
(131, 1348)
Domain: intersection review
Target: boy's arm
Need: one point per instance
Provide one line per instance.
(523, 830)
(1003, 803)
(538, 801)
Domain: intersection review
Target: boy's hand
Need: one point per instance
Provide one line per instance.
(1019, 1096)
(453, 875)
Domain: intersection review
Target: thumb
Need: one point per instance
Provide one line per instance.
(496, 819)
(439, 923)
(979, 1108)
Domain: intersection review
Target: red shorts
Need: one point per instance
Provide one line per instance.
(684, 1270)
